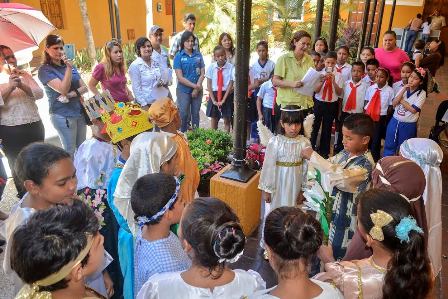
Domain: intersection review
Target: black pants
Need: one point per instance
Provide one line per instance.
(14, 138)
(379, 133)
(339, 146)
(324, 113)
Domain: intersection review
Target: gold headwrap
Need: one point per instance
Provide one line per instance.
(162, 112)
(379, 219)
(32, 292)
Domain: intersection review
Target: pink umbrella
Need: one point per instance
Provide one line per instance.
(22, 26)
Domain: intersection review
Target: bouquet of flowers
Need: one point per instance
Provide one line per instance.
(94, 199)
(318, 199)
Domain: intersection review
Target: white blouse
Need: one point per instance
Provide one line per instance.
(171, 285)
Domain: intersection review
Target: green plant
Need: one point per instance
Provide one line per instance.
(129, 53)
(82, 61)
(350, 37)
(209, 146)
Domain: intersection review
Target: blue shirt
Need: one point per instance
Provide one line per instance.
(191, 68)
(48, 72)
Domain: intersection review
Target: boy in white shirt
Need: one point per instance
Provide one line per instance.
(426, 26)
(268, 110)
(342, 66)
(372, 66)
(328, 90)
(220, 88)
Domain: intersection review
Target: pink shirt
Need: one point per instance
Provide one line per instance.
(392, 60)
(115, 84)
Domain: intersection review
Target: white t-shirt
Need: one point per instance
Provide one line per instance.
(339, 81)
(426, 28)
(361, 88)
(328, 292)
(262, 71)
(397, 86)
(227, 73)
(172, 285)
(345, 71)
(367, 80)
(416, 100)
(267, 93)
(386, 94)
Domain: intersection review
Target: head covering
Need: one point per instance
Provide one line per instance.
(162, 112)
(154, 29)
(428, 155)
(149, 151)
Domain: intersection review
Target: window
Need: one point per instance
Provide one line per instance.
(52, 10)
(291, 9)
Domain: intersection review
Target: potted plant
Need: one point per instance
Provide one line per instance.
(210, 148)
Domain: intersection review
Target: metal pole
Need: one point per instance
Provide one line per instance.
(380, 21)
(117, 19)
(391, 20)
(334, 24)
(372, 19)
(239, 171)
(111, 18)
(365, 18)
(319, 16)
(173, 9)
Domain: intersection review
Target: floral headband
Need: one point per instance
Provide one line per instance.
(402, 230)
(143, 220)
(421, 71)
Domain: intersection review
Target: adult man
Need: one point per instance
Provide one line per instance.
(160, 54)
(189, 24)
(414, 27)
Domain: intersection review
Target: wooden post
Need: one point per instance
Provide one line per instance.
(319, 16)
(334, 24)
(392, 13)
(380, 21)
(372, 20)
(365, 18)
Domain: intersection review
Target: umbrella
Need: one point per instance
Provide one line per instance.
(22, 27)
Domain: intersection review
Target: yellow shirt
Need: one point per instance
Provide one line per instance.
(289, 69)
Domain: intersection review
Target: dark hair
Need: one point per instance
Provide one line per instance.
(391, 32)
(387, 72)
(423, 80)
(408, 64)
(409, 269)
(291, 117)
(324, 41)
(428, 19)
(314, 53)
(292, 235)
(214, 232)
(298, 35)
(331, 54)
(360, 124)
(151, 193)
(53, 238)
(221, 37)
(51, 40)
(140, 42)
(185, 36)
(419, 15)
(189, 16)
(359, 63)
(343, 47)
(218, 48)
(373, 61)
(262, 43)
(3, 47)
(35, 160)
(441, 50)
(371, 50)
(419, 44)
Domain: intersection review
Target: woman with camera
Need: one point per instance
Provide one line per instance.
(63, 86)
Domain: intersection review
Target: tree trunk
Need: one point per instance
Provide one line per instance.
(87, 30)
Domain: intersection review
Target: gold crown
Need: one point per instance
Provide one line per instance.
(95, 105)
(126, 120)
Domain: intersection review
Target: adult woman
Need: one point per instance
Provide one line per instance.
(63, 86)
(290, 69)
(390, 56)
(320, 46)
(146, 76)
(435, 58)
(20, 123)
(226, 41)
(190, 72)
(111, 73)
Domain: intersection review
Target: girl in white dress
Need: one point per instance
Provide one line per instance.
(212, 236)
(292, 238)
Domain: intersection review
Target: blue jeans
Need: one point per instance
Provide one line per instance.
(410, 39)
(188, 106)
(397, 133)
(71, 131)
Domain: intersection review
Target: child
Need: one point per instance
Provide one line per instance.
(407, 103)
(55, 250)
(212, 236)
(283, 169)
(426, 26)
(367, 53)
(406, 69)
(321, 46)
(342, 66)
(428, 155)
(419, 49)
(318, 61)
(165, 115)
(267, 108)
(326, 105)
(347, 174)
(353, 97)
(372, 66)
(292, 238)
(49, 177)
(378, 106)
(220, 88)
(399, 266)
(157, 205)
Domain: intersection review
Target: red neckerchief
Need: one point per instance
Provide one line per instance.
(351, 101)
(374, 108)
